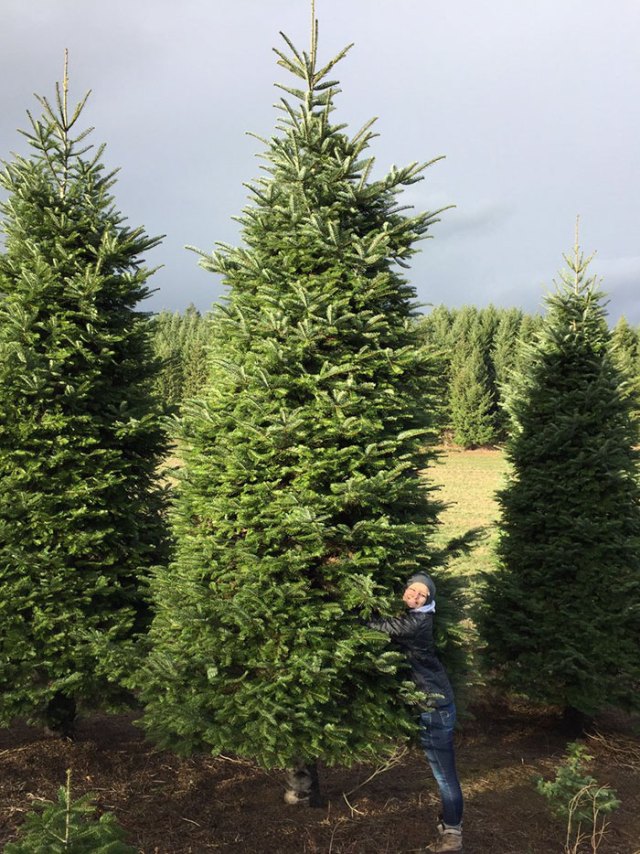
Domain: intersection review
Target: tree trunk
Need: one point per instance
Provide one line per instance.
(61, 716)
(575, 723)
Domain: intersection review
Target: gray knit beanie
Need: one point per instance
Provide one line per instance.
(423, 578)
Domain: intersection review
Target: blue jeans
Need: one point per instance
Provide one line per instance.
(436, 737)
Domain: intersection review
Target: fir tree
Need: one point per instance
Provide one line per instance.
(301, 509)
(489, 321)
(80, 435)
(527, 336)
(436, 326)
(434, 332)
(465, 323)
(624, 338)
(168, 346)
(625, 350)
(180, 343)
(562, 620)
(69, 827)
(195, 352)
(505, 343)
(503, 356)
(470, 396)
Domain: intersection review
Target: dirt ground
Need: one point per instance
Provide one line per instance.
(170, 805)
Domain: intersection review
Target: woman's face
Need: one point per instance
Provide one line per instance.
(416, 595)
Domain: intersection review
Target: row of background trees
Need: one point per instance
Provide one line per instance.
(478, 349)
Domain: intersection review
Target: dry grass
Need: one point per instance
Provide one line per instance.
(468, 481)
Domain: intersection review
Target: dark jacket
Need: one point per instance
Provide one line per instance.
(413, 633)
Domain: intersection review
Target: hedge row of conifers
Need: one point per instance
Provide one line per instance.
(479, 349)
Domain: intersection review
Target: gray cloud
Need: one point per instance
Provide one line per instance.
(477, 220)
(535, 106)
(621, 283)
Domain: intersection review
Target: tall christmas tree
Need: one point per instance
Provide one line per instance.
(563, 610)
(301, 508)
(80, 436)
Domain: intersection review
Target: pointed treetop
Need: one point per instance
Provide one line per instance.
(303, 65)
(65, 81)
(578, 263)
(575, 278)
(314, 33)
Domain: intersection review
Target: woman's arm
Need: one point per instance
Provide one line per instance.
(405, 626)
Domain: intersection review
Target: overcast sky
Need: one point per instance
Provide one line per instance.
(536, 107)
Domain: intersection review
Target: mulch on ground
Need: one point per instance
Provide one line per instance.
(173, 805)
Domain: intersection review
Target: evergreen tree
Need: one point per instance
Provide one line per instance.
(489, 320)
(505, 343)
(503, 356)
(436, 326)
(625, 351)
(434, 332)
(69, 827)
(168, 346)
(195, 352)
(529, 329)
(624, 338)
(80, 436)
(562, 619)
(470, 400)
(465, 323)
(301, 509)
(180, 343)
(478, 349)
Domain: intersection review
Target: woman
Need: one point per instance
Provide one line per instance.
(413, 632)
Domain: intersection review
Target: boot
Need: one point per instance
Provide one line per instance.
(303, 786)
(449, 839)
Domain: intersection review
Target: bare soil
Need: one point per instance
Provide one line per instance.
(172, 805)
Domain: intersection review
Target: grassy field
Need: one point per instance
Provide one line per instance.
(468, 481)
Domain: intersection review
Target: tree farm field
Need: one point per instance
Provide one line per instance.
(173, 805)
(467, 482)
